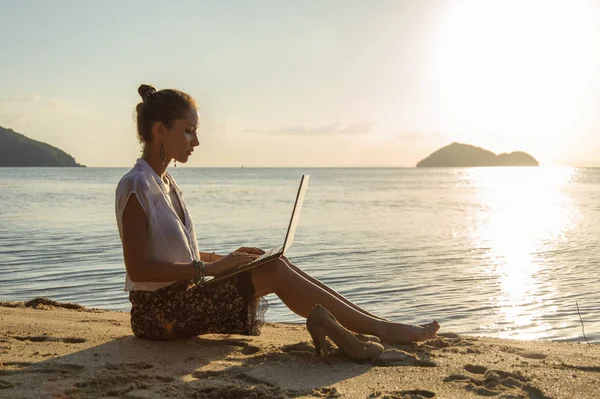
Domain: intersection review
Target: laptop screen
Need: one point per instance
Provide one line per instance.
(289, 238)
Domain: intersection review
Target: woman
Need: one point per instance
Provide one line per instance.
(162, 257)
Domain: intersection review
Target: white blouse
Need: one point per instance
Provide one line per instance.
(170, 239)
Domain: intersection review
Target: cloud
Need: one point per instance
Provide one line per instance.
(417, 135)
(333, 129)
(31, 98)
(22, 98)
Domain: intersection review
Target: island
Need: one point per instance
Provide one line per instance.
(465, 155)
(18, 150)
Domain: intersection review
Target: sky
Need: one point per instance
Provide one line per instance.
(337, 83)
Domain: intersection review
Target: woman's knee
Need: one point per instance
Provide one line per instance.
(268, 278)
(278, 269)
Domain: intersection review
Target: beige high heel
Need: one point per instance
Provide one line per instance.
(368, 338)
(320, 324)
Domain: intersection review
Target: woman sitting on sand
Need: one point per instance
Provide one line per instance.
(165, 269)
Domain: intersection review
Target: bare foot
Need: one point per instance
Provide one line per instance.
(397, 333)
(433, 326)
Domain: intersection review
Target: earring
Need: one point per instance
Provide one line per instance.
(163, 158)
(175, 163)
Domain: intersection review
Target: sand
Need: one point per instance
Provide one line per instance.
(51, 351)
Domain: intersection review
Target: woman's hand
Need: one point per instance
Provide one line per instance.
(229, 262)
(250, 250)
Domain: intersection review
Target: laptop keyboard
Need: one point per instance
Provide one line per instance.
(267, 253)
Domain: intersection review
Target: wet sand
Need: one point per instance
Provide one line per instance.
(52, 350)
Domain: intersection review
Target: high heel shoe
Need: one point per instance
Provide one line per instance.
(320, 324)
(368, 338)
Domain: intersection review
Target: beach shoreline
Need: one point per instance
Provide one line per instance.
(49, 349)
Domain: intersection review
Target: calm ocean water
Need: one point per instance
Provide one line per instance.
(503, 252)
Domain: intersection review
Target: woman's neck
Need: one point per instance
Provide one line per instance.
(153, 159)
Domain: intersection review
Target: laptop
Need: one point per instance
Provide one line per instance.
(278, 251)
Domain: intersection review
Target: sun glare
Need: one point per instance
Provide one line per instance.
(526, 213)
(515, 74)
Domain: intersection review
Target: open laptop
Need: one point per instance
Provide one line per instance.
(275, 252)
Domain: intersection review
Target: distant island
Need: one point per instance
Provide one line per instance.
(19, 150)
(465, 155)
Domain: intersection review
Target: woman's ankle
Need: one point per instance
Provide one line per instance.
(382, 330)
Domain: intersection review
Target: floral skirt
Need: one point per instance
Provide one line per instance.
(183, 309)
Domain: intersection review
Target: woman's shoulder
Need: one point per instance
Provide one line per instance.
(135, 180)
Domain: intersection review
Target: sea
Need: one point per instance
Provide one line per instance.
(502, 252)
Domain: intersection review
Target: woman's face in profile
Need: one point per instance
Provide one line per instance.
(181, 139)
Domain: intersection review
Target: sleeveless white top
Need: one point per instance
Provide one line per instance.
(170, 239)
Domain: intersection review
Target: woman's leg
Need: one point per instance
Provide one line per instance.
(328, 289)
(300, 295)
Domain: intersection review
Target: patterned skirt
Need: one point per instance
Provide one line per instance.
(183, 309)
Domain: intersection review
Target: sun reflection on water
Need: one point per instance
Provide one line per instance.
(524, 213)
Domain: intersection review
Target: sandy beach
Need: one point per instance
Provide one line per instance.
(52, 350)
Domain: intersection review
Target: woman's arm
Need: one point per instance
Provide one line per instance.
(142, 268)
(136, 248)
(210, 256)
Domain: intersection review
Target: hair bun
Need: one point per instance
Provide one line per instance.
(146, 91)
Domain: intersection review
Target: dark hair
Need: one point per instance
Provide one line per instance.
(160, 106)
